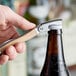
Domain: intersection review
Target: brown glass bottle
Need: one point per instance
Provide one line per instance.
(55, 63)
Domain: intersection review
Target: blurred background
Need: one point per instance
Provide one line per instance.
(31, 61)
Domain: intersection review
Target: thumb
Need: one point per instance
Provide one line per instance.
(22, 23)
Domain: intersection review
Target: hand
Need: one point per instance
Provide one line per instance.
(8, 19)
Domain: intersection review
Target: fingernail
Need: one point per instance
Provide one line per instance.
(32, 24)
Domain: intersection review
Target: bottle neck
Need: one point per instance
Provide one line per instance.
(55, 42)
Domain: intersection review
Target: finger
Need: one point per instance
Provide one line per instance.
(22, 23)
(11, 52)
(20, 47)
(3, 59)
(9, 33)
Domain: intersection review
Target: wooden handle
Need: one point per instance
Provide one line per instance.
(23, 38)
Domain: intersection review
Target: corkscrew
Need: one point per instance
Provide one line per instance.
(43, 27)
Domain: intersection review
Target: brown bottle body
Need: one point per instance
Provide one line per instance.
(54, 63)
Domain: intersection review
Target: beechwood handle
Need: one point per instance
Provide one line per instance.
(23, 38)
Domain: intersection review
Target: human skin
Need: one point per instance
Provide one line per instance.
(9, 21)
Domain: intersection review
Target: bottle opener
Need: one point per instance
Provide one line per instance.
(43, 27)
